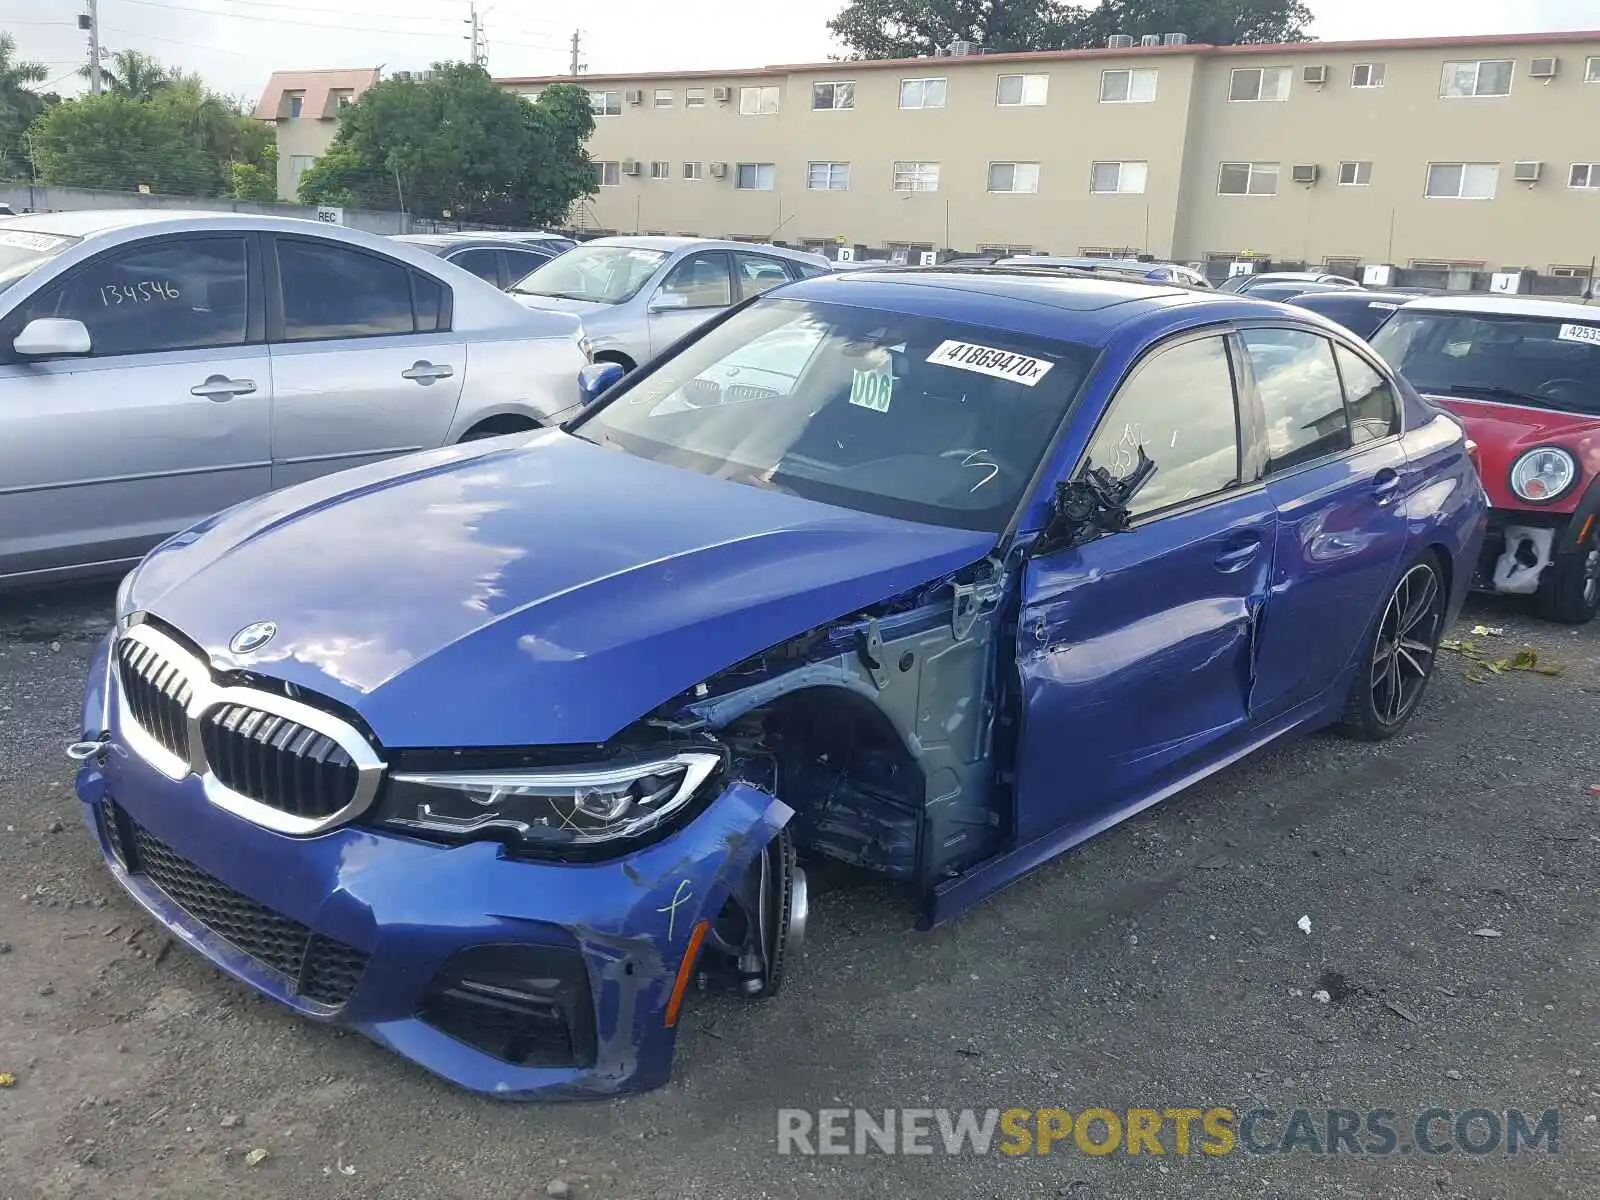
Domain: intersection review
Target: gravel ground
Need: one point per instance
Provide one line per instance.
(1159, 966)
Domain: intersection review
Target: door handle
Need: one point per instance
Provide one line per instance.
(1384, 485)
(425, 372)
(220, 388)
(1238, 555)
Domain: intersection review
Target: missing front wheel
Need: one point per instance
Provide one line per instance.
(761, 925)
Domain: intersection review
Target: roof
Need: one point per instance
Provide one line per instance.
(318, 87)
(1510, 306)
(1197, 49)
(466, 237)
(96, 220)
(670, 244)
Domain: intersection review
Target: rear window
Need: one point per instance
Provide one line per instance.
(1543, 362)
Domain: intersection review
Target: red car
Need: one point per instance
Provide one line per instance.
(1523, 375)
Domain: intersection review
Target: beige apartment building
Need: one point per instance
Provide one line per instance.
(1451, 153)
(305, 106)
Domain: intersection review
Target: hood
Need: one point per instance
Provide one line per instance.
(1504, 432)
(542, 593)
(558, 304)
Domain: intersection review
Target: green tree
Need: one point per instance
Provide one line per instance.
(109, 141)
(907, 28)
(455, 142)
(19, 106)
(133, 74)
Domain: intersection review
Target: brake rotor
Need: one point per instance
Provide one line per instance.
(762, 923)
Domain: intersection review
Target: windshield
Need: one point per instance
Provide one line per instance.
(1541, 361)
(603, 274)
(906, 417)
(21, 252)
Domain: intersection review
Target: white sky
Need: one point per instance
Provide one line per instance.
(235, 44)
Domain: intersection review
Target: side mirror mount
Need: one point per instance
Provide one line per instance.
(596, 378)
(52, 337)
(667, 301)
(1093, 504)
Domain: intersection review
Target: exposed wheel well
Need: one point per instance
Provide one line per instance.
(495, 426)
(857, 792)
(615, 356)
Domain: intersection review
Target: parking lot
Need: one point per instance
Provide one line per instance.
(1161, 965)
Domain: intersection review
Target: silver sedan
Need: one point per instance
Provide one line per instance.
(638, 295)
(158, 366)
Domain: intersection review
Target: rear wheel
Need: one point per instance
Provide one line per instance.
(1400, 655)
(761, 925)
(1570, 590)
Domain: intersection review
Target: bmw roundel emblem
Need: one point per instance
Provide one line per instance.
(252, 637)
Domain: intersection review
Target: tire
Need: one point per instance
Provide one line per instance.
(1570, 590)
(1398, 657)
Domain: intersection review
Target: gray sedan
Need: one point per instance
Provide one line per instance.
(638, 295)
(156, 367)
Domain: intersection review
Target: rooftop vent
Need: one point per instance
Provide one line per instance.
(1150, 39)
(1119, 41)
(961, 49)
(1175, 39)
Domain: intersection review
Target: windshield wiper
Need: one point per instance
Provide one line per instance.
(1495, 391)
(559, 295)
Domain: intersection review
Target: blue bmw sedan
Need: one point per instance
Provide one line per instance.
(492, 752)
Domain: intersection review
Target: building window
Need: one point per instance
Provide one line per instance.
(299, 164)
(1462, 181)
(605, 104)
(660, 170)
(1012, 91)
(694, 97)
(916, 177)
(828, 177)
(663, 98)
(1248, 179)
(837, 94)
(1014, 177)
(533, 96)
(1463, 80)
(1367, 75)
(755, 177)
(692, 170)
(758, 101)
(1579, 273)
(1259, 83)
(1591, 71)
(1584, 176)
(1128, 87)
(1113, 178)
(1355, 174)
(297, 101)
(607, 174)
(343, 98)
(922, 93)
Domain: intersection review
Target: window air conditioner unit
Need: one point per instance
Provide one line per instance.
(1545, 68)
(1306, 173)
(1527, 172)
(722, 94)
(1315, 76)
(636, 96)
(1175, 39)
(718, 170)
(630, 166)
(1119, 41)
(1150, 39)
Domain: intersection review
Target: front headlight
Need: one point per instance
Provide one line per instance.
(548, 809)
(1543, 474)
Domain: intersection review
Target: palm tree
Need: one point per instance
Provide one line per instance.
(19, 105)
(132, 74)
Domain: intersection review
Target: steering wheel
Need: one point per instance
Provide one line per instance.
(1554, 387)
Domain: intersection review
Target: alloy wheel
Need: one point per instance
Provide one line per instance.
(1408, 637)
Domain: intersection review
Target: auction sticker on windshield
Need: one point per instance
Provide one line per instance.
(1579, 333)
(986, 360)
(24, 240)
(872, 389)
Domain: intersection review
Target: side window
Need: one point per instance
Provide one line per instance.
(333, 292)
(482, 262)
(1179, 405)
(522, 262)
(1374, 411)
(703, 280)
(758, 274)
(427, 299)
(183, 294)
(1300, 393)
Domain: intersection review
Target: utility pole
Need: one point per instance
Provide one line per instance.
(578, 66)
(480, 43)
(90, 22)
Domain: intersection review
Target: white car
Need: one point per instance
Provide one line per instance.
(159, 366)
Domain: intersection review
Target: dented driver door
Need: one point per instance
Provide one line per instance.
(1135, 651)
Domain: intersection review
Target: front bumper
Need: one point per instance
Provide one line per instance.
(1500, 520)
(382, 917)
